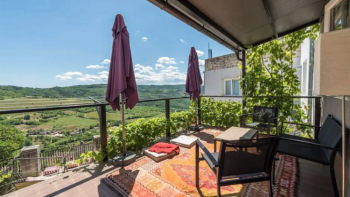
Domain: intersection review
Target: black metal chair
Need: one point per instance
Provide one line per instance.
(239, 162)
(263, 119)
(322, 149)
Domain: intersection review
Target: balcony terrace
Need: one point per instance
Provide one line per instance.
(310, 179)
(238, 25)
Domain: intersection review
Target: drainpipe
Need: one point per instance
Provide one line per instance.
(243, 60)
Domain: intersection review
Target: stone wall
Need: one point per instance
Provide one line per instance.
(218, 63)
(30, 167)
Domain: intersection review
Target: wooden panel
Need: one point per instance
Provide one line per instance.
(317, 66)
(334, 62)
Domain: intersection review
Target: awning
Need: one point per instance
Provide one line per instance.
(240, 23)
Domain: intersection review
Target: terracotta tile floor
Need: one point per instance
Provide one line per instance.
(86, 182)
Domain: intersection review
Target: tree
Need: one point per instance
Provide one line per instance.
(277, 77)
(26, 117)
(28, 142)
(11, 141)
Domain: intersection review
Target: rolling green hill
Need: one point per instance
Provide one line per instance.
(83, 91)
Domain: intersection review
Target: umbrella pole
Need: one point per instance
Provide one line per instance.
(125, 158)
(123, 122)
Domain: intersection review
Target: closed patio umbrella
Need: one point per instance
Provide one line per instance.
(121, 81)
(194, 78)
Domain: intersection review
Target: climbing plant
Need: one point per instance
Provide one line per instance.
(270, 72)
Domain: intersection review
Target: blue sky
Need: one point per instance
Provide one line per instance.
(62, 43)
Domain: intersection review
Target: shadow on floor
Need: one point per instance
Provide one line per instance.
(95, 172)
(125, 181)
(207, 137)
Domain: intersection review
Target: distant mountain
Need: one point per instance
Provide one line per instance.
(97, 90)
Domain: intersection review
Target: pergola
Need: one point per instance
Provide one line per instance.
(238, 24)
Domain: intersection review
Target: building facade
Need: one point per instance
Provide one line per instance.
(221, 74)
(221, 77)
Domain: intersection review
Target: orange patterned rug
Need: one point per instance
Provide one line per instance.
(175, 177)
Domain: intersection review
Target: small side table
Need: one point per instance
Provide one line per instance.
(235, 133)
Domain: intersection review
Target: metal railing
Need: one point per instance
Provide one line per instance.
(101, 108)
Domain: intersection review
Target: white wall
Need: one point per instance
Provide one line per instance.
(214, 82)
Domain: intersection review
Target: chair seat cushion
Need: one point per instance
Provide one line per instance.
(302, 150)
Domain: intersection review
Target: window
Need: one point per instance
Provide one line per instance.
(340, 16)
(231, 87)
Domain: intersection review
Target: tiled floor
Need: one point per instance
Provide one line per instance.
(82, 182)
(314, 181)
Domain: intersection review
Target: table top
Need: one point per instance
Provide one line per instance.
(237, 133)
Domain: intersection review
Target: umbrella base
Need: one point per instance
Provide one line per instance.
(125, 160)
(196, 128)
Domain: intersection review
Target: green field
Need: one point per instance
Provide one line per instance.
(110, 116)
(23, 103)
(71, 122)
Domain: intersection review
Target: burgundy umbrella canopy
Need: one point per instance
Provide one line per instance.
(194, 78)
(121, 78)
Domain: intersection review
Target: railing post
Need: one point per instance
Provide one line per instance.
(199, 111)
(167, 116)
(243, 86)
(317, 111)
(103, 128)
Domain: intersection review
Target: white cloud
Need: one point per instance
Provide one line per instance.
(181, 62)
(106, 61)
(72, 74)
(94, 67)
(142, 69)
(103, 73)
(68, 75)
(159, 66)
(103, 76)
(200, 53)
(181, 40)
(168, 75)
(201, 62)
(144, 39)
(63, 78)
(172, 68)
(166, 60)
(88, 77)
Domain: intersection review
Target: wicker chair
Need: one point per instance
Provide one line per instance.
(239, 162)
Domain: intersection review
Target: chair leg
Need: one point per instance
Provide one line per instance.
(219, 192)
(197, 165)
(270, 188)
(274, 171)
(334, 181)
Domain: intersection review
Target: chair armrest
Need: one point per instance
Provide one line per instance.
(205, 150)
(307, 125)
(310, 143)
(273, 118)
(302, 124)
(270, 120)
